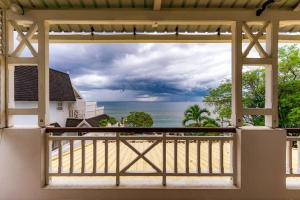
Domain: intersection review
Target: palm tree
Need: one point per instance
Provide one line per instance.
(196, 117)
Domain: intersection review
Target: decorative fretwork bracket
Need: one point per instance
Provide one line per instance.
(39, 57)
(267, 58)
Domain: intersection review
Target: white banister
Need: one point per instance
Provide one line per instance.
(159, 146)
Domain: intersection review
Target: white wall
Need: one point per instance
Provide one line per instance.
(58, 116)
(261, 161)
(92, 110)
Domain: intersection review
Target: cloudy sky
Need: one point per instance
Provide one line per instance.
(143, 72)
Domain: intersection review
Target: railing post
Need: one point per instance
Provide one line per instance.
(71, 156)
(82, 156)
(287, 157)
(95, 156)
(117, 158)
(187, 155)
(47, 157)
(298, 155)
(198, 156)
(234, 154)
(290, 150)
(164, 179)
(175, 156)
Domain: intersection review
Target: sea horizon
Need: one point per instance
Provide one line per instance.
(164, 113)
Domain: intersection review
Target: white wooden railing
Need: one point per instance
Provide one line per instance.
(293, 153)
(164, 152)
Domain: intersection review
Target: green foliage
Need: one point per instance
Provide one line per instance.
(107, 121)
(220, 98)
(194, 116)
(289, 63)
(138, 120)
(254, 91)
(289, 98)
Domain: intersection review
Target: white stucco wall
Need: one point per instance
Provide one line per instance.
(92, 109)
(260, 158)
(58, 116)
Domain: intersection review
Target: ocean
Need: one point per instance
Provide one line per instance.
(164, 114)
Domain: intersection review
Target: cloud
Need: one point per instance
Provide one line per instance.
(157, 72)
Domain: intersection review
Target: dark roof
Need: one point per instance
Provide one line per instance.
(72, 122)
(26, 85)
(93, 121)
(55, 124)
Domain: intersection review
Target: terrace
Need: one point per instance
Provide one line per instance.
(160, 163)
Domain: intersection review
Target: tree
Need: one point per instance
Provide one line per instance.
(254, 91)
(194, 116)
(108, 121)
(138, 120)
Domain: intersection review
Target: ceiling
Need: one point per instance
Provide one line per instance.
(149, 4)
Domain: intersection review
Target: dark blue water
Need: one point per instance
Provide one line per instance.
(164, 114)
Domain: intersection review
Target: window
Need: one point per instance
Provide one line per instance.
(59, 105)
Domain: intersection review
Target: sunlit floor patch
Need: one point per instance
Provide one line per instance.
(141, 181)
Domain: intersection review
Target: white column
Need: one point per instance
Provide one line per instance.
(2, 92)
(261, 162)
(2, 71)
(43, 73)
(236, 71)
(271, 96)
(9, 75)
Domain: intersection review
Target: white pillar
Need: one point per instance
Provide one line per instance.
(236, 71)
(261, 162)
(271, 85)
(9, 75)
(43, 73)
(2, 92)
(2, 71)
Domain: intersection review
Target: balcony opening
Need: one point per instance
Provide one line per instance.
(143, 86)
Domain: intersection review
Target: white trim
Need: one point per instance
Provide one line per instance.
(23, 111)
(151, 38)
(83, 122)
(22, 60)
(257, 111)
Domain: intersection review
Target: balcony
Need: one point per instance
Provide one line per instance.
(233, 163)
(236, 163)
